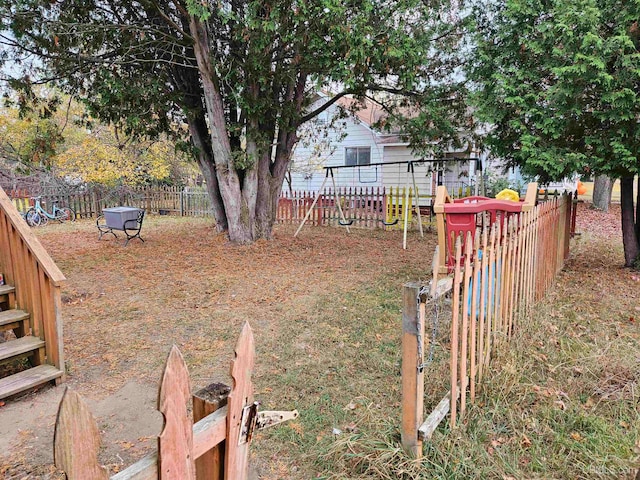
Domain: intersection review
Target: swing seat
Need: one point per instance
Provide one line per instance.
(345, 223)
(390, 224)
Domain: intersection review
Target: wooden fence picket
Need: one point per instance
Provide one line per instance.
(455, 320)
(241, 396)
(175, 443)
(77, 440)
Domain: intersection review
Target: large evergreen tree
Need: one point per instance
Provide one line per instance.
(559, 81)
(240, 74)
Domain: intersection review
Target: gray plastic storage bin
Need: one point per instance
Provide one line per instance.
(116, 216)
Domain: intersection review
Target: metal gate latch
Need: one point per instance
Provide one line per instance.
(253, 420)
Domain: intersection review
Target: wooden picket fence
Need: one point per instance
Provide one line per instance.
(215, 447)
(89, 204)
(292, 207)
(500, 271)
(364, 207)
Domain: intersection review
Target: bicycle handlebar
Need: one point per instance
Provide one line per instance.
(40, 196)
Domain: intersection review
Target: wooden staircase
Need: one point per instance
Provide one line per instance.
(24, 346)
(30, 307)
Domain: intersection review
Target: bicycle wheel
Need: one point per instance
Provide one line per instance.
(33, 218)
(65, 213)
(71, 213)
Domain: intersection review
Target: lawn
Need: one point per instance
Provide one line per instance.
(325, 309)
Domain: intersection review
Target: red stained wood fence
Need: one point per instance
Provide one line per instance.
(362, 207)
(499, 273)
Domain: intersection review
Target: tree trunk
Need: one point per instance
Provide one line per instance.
(240, 211)
(629, 236)
(602, 188)
(638, 208)
(198, 131)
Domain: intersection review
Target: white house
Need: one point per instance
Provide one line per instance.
(353, 141)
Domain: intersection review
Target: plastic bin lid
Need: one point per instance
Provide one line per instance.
(120, 209)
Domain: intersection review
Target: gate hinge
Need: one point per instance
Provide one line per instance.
(253, 420)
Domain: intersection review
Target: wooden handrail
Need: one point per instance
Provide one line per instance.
(30, 239)
(37, 279)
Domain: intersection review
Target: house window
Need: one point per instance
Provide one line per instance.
(357, 156)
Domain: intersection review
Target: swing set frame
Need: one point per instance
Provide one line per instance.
(410, 203)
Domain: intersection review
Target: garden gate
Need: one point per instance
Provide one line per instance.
(215, 447)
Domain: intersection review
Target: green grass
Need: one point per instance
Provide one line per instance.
(560, 403)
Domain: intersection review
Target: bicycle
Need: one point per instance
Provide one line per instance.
(37, 215)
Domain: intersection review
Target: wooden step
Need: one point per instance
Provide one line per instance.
(12, 316)
(27, 379)
(16, 347)
(4, 289)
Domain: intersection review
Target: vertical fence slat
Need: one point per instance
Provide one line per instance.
(175, 443)
(77, 440)
(484, 294)
(457, 281)
(474, 315)
(237, 454)
(464, 336)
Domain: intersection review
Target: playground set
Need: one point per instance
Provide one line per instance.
(397, 207)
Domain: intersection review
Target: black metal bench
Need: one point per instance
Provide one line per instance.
(131, 227)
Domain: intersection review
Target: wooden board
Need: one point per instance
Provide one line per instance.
(19, 346)
(27, 379)
(11, 316)
(77, 440)
(435, 417)
(412, 378)
(237, 454)
(175, 443)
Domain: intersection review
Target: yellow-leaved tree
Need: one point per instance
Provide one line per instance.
(101, 158)
(51, 135)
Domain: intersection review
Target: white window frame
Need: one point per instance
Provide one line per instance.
(357, 149)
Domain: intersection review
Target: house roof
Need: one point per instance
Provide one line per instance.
(367, 111)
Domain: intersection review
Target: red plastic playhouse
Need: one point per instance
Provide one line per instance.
(461, 215)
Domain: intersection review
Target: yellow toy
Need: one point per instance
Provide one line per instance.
(508, 194)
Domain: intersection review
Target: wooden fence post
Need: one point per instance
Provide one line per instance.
(210, 466)
(412, 375)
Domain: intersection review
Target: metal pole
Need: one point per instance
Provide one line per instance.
(337, 200)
